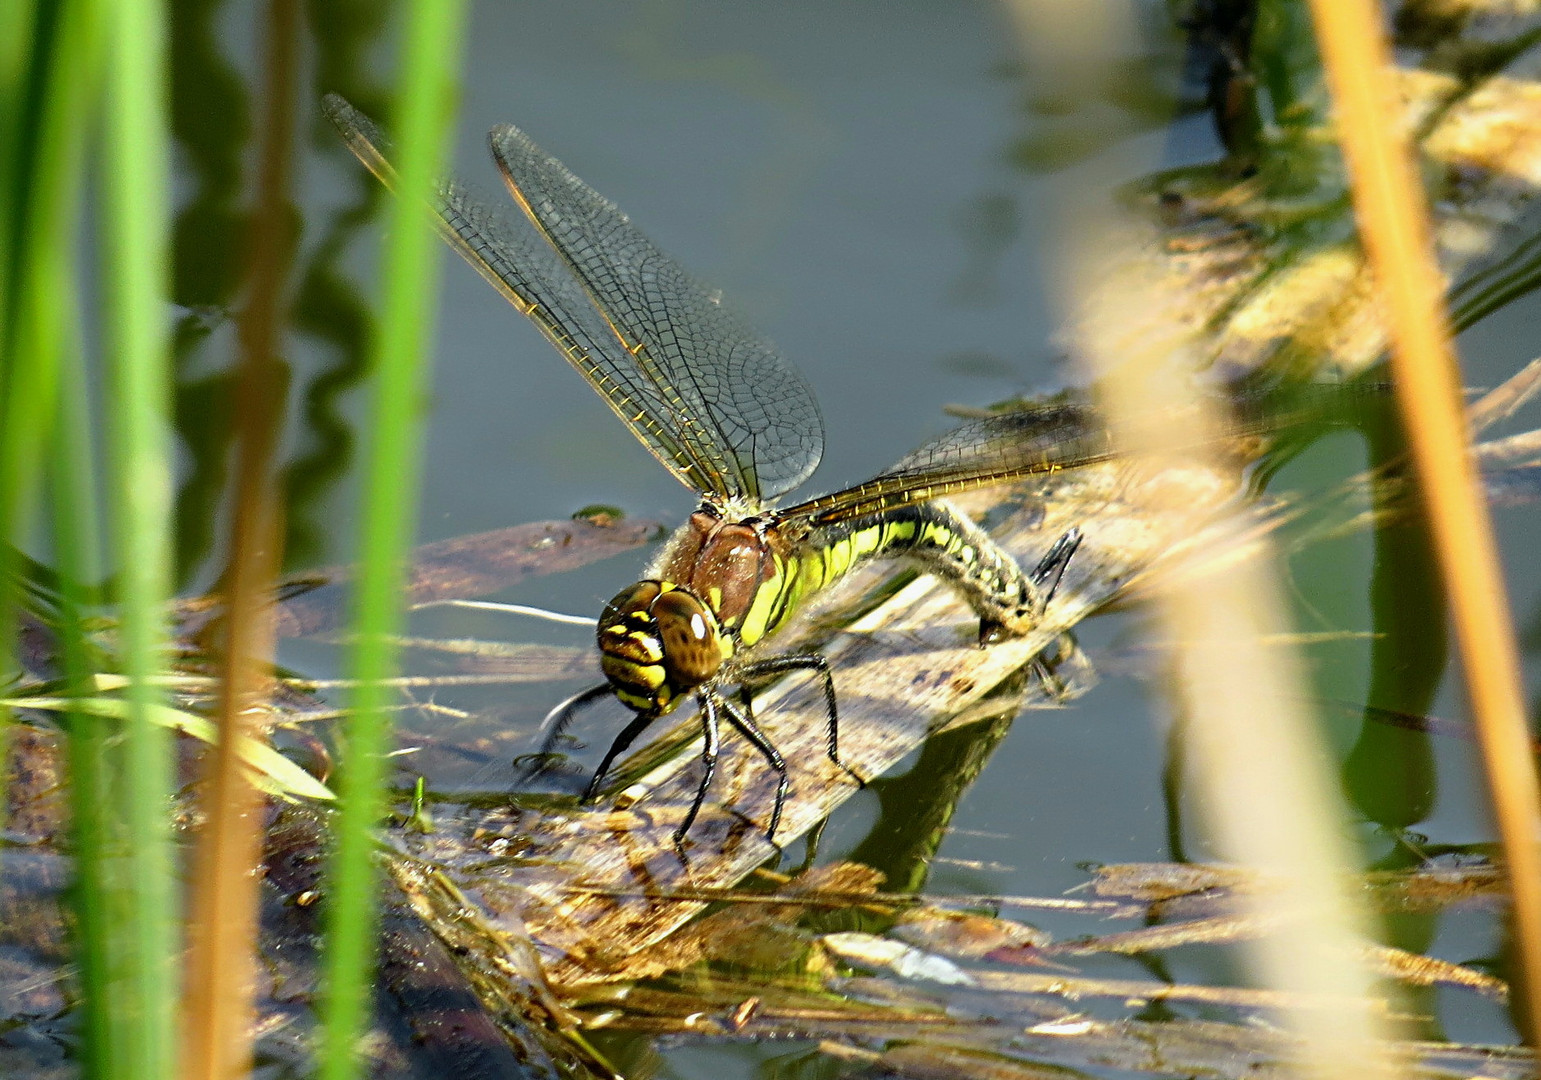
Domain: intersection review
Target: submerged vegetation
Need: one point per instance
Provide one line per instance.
(433, 892)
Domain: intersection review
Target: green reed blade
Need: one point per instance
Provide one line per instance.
(49, 173)
(136, 227)
(18, 22)
(19, 77)
(411, 261)
(55, 104)
(97, 835)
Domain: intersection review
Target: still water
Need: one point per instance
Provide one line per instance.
(874, 186)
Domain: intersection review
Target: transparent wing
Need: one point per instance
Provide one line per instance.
(514, 258)
(979, 453)
(738, 409)
(1068, 434)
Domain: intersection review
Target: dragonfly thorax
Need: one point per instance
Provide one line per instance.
(658, 641)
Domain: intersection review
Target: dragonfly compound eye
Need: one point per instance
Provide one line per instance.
(692, 644)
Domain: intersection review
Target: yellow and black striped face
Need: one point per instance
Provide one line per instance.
(658, 641)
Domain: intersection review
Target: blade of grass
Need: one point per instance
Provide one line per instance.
(135, 222)
(1398, 240)
(270, 769)
(411, 261)
(21, 70)
(18, 22)
(217, 1005)
(67, 51)
(97, 836)
(1270, 802)
(47, 194)
(45, 358)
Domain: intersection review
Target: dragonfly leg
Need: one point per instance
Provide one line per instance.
(627, 736)
(744, 722)
(778, 665)
(555, 725)
(1051, 568)
(1053, 686)
(811, 842)
(709, 752)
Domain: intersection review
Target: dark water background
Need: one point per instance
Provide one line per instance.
(874, 185)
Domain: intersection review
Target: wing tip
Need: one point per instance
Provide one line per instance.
(339, 110)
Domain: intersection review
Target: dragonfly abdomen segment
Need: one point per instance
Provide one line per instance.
(942, 540)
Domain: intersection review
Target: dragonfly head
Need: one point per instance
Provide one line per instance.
(658, 641)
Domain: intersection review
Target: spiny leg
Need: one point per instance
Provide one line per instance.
(811, 847)
(777, 665)
(627, 736)
(709, 752)
(555, 725)
(746, 726)
(1047, 575)
(1051, 568)
(1046, 669)
(1053, 686)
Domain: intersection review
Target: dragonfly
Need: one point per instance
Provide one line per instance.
(733, 421)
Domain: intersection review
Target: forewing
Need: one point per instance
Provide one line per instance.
(739, 409)
(507, 251)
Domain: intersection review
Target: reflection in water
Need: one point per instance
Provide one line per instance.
(329, 309)
(211, 122)
(1389, 775)
(990, 225)
(917, 806)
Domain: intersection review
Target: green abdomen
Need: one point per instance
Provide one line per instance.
(946, 542)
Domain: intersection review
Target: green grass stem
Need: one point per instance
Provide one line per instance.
(23, 51)
(48, 202)
(409, 284)
(49, 104)
(45, 359)
(97, 836)
(18, 23)
(136, 220)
